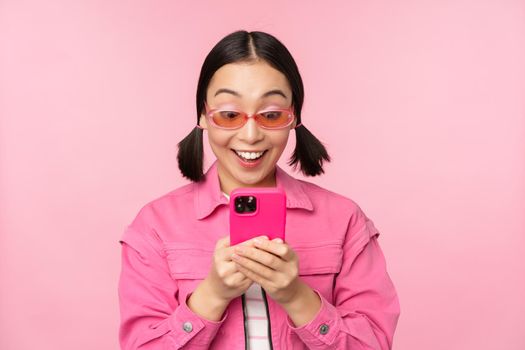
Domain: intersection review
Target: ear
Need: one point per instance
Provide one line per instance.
(294, 124)
(203, 122)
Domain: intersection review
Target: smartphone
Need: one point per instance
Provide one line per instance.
(257, 211)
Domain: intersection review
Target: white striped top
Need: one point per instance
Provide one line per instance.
(255, 310)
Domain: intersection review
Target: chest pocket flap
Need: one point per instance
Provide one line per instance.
(188, 260)
(319, 258)
(191, 261)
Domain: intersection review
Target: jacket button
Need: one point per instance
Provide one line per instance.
(323, 329)
(187, 326)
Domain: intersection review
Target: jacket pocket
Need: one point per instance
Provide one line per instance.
(319, 258)
(319, 263)
(188, 260)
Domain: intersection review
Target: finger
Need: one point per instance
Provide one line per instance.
(237, 278)
(227, 252)
(246, 283)
(223, 250)
(226, 269)
(253, 266)
(250, 242)
(260, 256)
(237, 275)
(254, 277)
(222, 242)
(223, 255)
(282, 250)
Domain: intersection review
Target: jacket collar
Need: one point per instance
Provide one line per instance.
(208, 194)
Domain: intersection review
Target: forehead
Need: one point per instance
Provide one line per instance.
(251, 80)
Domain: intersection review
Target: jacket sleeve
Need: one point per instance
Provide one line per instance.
(366, 307)
(151, 316)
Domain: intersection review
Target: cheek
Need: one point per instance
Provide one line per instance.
(218, 140)
(220, 144)
(279, 141)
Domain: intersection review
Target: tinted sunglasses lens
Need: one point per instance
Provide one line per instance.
(274, 119)
(228, 119)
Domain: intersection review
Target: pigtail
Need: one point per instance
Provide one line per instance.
(190, 155)
(309, 152)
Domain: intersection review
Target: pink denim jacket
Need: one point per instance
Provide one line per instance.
(167, 250)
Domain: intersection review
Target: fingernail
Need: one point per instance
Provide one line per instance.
(278, 240)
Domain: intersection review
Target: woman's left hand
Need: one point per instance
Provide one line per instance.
(273, 265)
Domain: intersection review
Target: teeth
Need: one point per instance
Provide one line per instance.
(249, 155)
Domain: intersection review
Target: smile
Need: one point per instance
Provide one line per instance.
(248, 156)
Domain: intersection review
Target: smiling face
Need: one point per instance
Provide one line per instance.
(249, 87)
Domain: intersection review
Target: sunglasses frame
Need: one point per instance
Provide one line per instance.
(209, 117)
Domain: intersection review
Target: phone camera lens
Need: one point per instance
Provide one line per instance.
(251, 204)
(245, 204)
(239, 205)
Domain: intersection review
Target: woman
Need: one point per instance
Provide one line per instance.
(182, 285)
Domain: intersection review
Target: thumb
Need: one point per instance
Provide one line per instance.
(223, 242)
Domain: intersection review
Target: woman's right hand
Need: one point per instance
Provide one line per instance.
(222, 284)
(225, 281)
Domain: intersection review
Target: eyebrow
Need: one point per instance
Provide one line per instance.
(266, 94)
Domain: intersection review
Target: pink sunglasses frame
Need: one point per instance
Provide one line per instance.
(209, 113)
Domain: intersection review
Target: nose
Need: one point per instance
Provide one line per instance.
(250, 132)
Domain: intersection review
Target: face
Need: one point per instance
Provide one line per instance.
(248, 87)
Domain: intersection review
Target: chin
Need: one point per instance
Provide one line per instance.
(250, 181)
(247, 177)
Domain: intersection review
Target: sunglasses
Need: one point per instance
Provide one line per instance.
(230, 118)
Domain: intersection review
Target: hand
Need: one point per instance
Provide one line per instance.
(224, 280)
(273, 265)
(223, 283)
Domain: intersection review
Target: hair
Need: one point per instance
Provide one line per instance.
(243, 46)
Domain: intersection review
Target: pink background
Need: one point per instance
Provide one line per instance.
(420, 103)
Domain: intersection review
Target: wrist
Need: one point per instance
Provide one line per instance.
(215, 298)
(303, 307)
(205, 303)
(300, 295)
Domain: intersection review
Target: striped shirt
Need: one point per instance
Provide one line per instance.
(257, 317)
